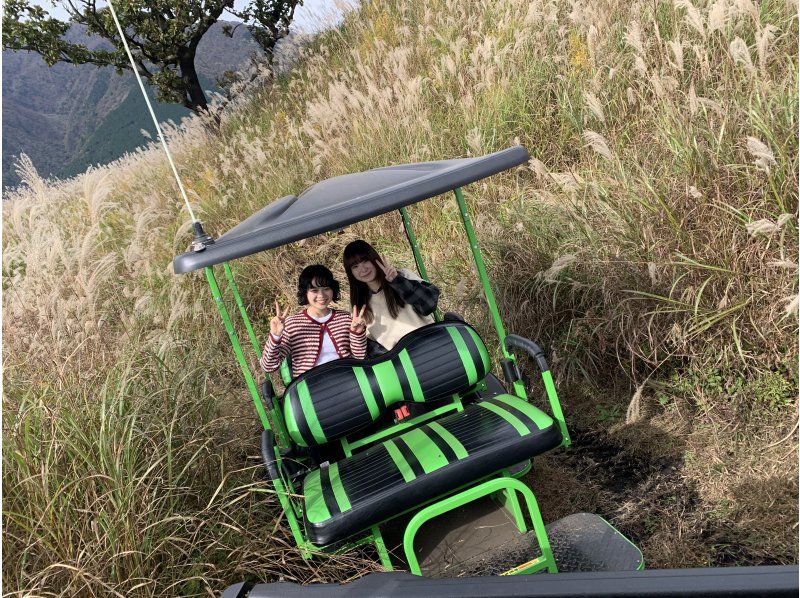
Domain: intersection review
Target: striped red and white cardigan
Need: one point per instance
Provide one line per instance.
(302, 339)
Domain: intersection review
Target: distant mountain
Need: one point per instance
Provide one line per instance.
(68, 117)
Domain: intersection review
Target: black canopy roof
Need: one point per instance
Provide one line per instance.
(335, 203)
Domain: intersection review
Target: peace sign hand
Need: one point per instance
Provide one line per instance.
(389, 271)
(276, 323)
(358, 324)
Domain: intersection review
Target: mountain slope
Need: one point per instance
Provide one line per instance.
(120, 130)
(67, 117)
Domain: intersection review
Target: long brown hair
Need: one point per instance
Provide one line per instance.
(361, 251)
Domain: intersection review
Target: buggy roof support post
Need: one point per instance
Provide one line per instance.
(519, 387)
(237, 348)
(277, 414)
(412, 240)
(238, 299)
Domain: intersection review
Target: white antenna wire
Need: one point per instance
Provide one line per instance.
(150, 108)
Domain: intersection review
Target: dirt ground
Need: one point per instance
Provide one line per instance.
(645, 478)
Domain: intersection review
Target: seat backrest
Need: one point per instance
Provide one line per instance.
(343, 396)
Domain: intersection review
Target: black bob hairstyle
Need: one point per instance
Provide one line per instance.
(316, 275)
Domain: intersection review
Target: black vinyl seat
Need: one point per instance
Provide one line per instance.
(421, 464)
(434, 363)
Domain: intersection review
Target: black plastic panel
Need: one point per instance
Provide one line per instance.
(739, 582)
(340, 201)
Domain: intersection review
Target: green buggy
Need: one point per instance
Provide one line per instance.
(439, 493)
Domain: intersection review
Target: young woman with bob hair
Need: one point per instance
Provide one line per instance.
(317, 334)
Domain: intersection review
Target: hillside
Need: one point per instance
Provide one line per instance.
(68, 117)
(650, 247)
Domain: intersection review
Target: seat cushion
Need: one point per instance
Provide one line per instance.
(421, 464)
(345, 396)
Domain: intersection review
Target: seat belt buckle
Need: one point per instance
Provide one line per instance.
(401, 413)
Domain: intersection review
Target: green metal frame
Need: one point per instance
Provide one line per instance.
(519, 387)
(555, 406)
(412, 240)
(272, 419)
(284, 488)
(238, 299)
(277, 425)
(237, 348)
(504, 484)
(510, 502)
(375, 536)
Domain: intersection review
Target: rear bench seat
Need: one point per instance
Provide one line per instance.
(345, 396)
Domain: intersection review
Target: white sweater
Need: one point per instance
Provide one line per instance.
(387, 330)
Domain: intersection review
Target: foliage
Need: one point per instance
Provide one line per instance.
(162, 36)
(120, 131)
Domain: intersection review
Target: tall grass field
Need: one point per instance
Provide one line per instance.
(650, 245)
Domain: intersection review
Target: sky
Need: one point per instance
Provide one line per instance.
(312, 17)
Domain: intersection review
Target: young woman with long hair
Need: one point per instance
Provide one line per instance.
(396, 301)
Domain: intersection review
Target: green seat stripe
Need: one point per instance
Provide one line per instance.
(413, 382)
(482, 348)
(539, 417)
(399, 461)
(366, 392)
(427, 453)
(509, 417)
(316, 510)
(457, 447)
(463, 353)
(291, 422)
(338, 489)
(308, 411)
(388, 382)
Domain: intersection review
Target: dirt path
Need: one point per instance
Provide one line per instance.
(648, 497)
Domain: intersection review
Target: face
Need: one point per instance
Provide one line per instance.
(364, 271)
(319, 296)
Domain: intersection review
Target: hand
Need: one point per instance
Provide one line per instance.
(276, 323)
(389, 271)
(358, 323)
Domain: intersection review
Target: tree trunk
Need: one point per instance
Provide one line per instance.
(196, 100)
(195, 96)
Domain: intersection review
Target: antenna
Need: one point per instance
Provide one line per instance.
(201, 238)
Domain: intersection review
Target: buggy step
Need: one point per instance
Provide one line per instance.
(587, 542)
(581, 542)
